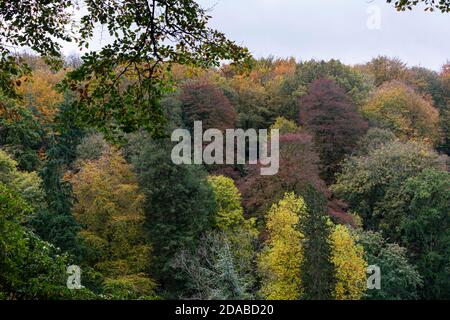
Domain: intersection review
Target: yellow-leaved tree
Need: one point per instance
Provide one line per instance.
(279, 262)
(397, 107)
(40, 94)
(230, 220)
(285, 126)
(230, 214)
(109, 208)
(350, 265)
(27, 184)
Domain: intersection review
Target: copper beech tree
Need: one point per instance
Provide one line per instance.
(333, 121)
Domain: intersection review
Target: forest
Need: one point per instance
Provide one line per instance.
(87, 180)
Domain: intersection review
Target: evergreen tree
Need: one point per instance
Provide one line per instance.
(317, 269)
(179, 207)
(211, 270)
(57, 224)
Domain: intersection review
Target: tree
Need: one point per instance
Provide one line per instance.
(445, 107)
(228, 202)
(371, 183)
(203, 101)
(179, 207)
(280, 261)
(212, 271)
(51, 219)
(425, 229)
(256, 91)
(436, 86)
(57, 224)
(428, 83)
(282, 264)
(445, 126)
(38, 93)
(27, 184)
(397, 107)
(284, 126)
(295, 86)
(91, 148)
(109, 209)
(431, 5)
(269, 70)
(317, 268)
(31, 268)
(124, 80)
(21, 134)
(349, 264)
(384, 69)
(336, 126)
(298, 168)
(374, 139)
(251, 102)
(400, 279)
(240, 233)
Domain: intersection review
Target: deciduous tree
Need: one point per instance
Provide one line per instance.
(430, 5)
(109, 209)
(400, 279)
(124, 80)
(397, 107)
(282, 257)
(31, 268)
(349, 264)
(336, 126)
(299, 167)
(384, 69)
(295, 85)
(371, 183)
(240, 233)
(203, 101)
(285, 126)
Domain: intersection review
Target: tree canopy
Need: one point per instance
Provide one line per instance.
(431, 5)
(87, 181)
(124, 80)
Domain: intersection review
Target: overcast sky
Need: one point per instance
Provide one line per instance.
(325, 29)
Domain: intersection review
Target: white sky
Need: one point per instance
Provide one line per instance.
(325, 29)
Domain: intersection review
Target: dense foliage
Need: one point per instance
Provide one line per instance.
(87, 179)
(396, 107)
(336, 126)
